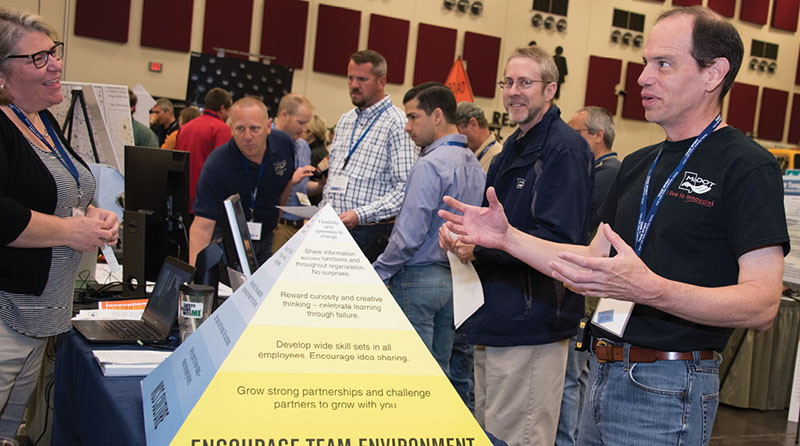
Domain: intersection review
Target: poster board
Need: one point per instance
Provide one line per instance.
(109, 112)
(791, 203)
(312, 349)
(794, 400)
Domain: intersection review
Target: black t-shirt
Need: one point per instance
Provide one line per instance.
(728, 200)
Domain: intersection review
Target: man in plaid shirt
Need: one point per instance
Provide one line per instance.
(371, 154)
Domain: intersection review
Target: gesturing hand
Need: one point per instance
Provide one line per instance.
(622, 277)
(486, 227)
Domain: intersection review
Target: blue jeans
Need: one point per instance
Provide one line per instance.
(462, 370)
(664, 402)
(425, 294)
(572, 398)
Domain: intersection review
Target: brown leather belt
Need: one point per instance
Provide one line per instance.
(614, 353)
(293, 223)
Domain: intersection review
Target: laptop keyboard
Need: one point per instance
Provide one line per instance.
(132, 329)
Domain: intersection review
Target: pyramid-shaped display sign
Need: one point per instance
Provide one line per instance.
(311, 351)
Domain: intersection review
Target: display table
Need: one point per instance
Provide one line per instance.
(758, 367)
(90, 408)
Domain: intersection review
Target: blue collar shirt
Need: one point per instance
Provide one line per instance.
(447, 167)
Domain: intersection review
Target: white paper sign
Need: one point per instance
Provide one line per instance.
(467, 289)
(612, 315)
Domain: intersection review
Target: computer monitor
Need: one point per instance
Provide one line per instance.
(156, 210)
(236, 242)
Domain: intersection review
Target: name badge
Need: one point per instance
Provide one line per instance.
(303, 199)
(255, 230)
(337, 184)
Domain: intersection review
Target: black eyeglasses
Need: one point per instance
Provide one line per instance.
(584, 130)
(41, 58)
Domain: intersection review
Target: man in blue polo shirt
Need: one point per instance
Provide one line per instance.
(258, 165)
(446, 167)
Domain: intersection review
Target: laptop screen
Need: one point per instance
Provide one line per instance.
(162, 308)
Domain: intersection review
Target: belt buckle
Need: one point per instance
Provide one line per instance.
(600, 343)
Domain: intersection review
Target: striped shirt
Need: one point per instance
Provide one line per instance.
(378, 169)
(50, 313)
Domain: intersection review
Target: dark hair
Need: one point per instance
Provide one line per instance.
(712, 37)
(132, 99)
(433, 95)
(216, 98)
(379, 67)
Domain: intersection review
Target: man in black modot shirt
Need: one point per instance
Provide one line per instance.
(711, 260)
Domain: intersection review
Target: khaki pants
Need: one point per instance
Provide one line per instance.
(283, 233)
(518, 391)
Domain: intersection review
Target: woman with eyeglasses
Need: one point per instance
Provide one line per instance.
(46, 219)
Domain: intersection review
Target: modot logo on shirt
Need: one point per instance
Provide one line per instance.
(693, 183)
(280, 167)
(520, 183)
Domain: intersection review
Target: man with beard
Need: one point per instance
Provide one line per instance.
(521, 333)
(371, 154)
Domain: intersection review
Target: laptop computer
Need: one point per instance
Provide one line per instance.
(158, 317)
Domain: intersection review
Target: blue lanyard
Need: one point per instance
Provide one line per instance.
(446, 143)
(59, 151)
(645, 216)
(353, 147)
(486, 149)
(253, 191)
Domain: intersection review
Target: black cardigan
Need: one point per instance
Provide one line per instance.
(25, 185)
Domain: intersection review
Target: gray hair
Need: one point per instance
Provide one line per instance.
(547, 66)
(13, 25)
(598, 118)
(165, 104)
(466, 111)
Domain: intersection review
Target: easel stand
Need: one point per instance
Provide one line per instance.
(77, 97)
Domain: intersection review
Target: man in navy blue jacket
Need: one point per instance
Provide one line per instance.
(544, 176)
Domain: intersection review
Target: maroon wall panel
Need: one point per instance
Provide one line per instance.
(337, 38)
(686, 2)
(436, 50)
(482, 53)
(794, 121)
(797, 71)
(784, 14)
(227, 25)
(167, 25)
(101, 19)
(283, 31)
(632, 105)
(604, 75)
(389, 36)
(754, 11)
(742, 107)
(723, 7)
(772, 114)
